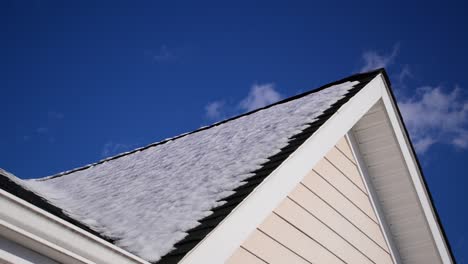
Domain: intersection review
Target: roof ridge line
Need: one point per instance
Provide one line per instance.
(294, 97)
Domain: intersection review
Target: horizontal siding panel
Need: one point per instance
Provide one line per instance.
(300, 218)
(327, 218)
(297, 241)
(324, 190)
(325, 169)
(343, 146)
(373, 245)
(269, 250)
(348, 168)
(242, 256)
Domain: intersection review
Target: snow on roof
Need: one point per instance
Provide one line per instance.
(147, 200)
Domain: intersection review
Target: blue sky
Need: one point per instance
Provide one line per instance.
(84, 80)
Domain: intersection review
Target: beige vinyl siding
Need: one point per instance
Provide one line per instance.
(343, 185)
(343, 146)
(327, 218)
(270, 250)
(245, 257)
(296, 239)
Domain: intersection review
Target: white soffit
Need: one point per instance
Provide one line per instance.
(397, 181)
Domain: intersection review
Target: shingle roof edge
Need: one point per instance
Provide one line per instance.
(31, 197)
(207, 224)
(349, 78)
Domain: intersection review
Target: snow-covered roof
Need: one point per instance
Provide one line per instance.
(149, 199)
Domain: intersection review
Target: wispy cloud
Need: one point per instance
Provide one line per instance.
(42, 130)
(215, 110)
(45, 129)
(163, 55)
(433, 114)
(259, 95)
(374, 60)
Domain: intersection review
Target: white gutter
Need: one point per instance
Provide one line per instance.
(51, 236)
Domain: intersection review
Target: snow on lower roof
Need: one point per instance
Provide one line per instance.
(148, 199)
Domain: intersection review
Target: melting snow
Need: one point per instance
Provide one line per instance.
(150, 198)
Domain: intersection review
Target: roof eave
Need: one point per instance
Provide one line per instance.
(24, 224)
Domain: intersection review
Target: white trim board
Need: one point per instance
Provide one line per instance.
(416, 176)
(221, 243)
(36, 229)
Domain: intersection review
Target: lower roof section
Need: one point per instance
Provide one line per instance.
(33, 229)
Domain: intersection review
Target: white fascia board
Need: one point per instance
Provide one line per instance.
(226, 238)
(37, 244)
(416, 176)
(53, 237)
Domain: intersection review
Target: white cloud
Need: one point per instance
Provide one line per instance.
(373, 60)
(422, 144)
(214, 110)
(435, 116)
(163, 55)
(461, 141)
(260, 95)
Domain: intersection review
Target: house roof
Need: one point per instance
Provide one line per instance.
(161, 200)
